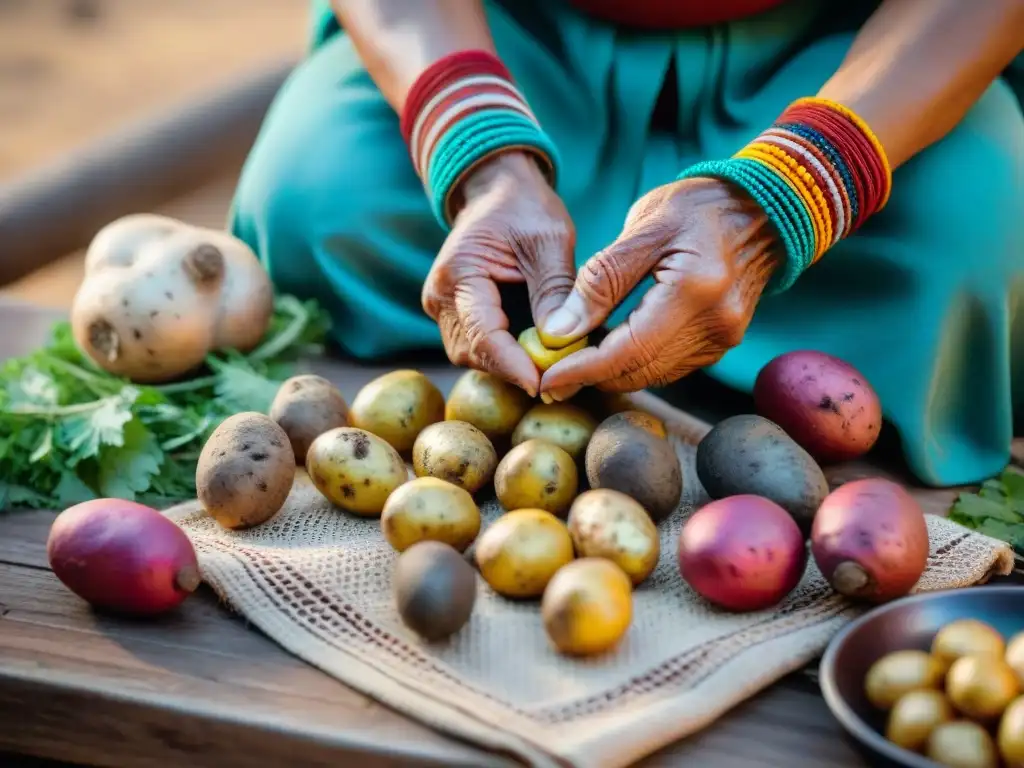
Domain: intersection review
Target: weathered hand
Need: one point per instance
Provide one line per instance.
(711, 252)
(511, 227)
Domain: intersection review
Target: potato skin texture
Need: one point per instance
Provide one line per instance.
(490, 404)
(428, 509)
(435, 589)
(306, 406)
(355, 470)
(634, 460)
(520, 552)
(587, 607)
(608, 524)
(397, 407)
(563, 424)
(639, 419)
(537, 475)
(245, 470)
(456, 452)
(544, 357)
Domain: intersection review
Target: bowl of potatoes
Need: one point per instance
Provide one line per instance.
(936, 679)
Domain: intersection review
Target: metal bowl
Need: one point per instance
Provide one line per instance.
(905, 624)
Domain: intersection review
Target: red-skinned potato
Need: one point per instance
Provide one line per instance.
(122, 557)
(159, 295)
(742, 553)
(870, 540)
(825, 404)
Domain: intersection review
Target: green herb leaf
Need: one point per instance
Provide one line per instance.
(997, 509)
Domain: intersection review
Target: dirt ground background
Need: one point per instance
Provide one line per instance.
(72, 70)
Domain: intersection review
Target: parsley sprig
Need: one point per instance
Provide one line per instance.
(996, 509)
(70, 431)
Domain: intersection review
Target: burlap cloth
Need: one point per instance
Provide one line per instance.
(318, 582)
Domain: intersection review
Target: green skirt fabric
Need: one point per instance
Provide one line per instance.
(925, 300)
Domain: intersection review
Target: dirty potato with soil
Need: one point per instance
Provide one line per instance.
(428, 509)
(307, 406)
(355, 470)
(435, 589)
(397, 407)
(490, 404)
(608, 524)
(538, 475)
(456, 452)
(521, 551)
(563, 424)
(245, 470)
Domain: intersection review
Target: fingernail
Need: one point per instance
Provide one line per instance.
(566, 319)
(546, 398)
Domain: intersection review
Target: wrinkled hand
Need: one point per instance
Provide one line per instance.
(710, 252)
(511, 227)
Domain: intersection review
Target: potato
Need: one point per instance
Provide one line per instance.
(537, 475)
(307, 406)
(825, 404)
(158, 295)
(914, 716)
(587, 607)
(428, 509)
(638, 419)
(900, 672)
(562, 424)
(606, 523)
(397, 406)
(962, 744)
(490, 404)
(355, 470)
(747, 454)
(456, 452)
(544, 357)
(521, 551)
(626, 455)
(245, 470)
(435, 589)
(981, 687)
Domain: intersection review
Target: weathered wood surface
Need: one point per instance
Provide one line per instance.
(201, 688)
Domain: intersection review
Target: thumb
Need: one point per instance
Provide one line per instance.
(602, 284)
(550, 276)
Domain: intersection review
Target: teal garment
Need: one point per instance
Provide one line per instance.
(924, 300)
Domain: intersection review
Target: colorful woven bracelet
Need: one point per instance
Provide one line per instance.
(818, 172)
(462, 110)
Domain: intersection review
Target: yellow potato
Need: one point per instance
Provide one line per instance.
(536, 475)
(1015, 655)
(397, 407)
(355, 470)
(608, 524)
(587, 606)
(966, 637)
(456, 452)
(962, 744)
(562, 424)
(981, 687)
(428, 509)
(898, 673)
(490, 404)
(1011, 733)
(521, 551)
(543, 356)
(915, 715)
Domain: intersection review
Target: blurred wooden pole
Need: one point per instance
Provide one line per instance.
(56, 209)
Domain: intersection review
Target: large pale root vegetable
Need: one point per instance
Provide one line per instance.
(159, 295)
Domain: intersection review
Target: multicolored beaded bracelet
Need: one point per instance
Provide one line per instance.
(462, 110)
(819, 172)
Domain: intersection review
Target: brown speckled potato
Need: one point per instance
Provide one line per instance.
(428, 509)
(307, 406)
(245, 470)
(457, 452)
(397, 406)
(522, 550)
(355, 470)
(490, 404)
(608, 524)
(565, 425)
(539, 475)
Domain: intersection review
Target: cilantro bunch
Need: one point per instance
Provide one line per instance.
(71, 432)
(996, 510)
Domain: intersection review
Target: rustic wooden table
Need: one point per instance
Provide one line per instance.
(201, 688)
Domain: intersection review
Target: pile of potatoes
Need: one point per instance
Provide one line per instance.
(582, 495)
(961, 702)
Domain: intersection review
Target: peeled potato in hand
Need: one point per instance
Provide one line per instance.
(544, 357)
